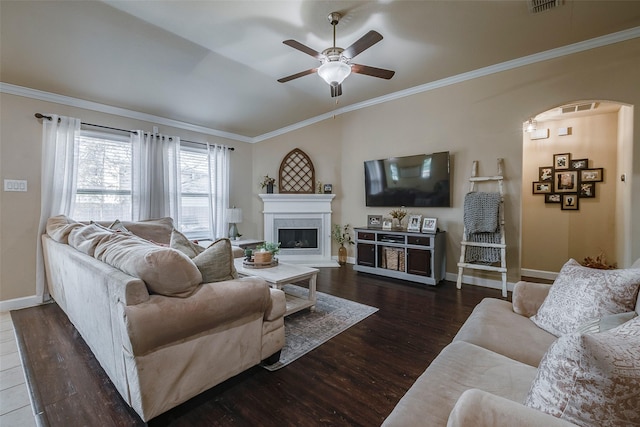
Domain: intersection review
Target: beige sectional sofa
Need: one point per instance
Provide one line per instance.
(161, 334)
(492, 366)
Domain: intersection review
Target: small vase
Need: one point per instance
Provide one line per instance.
(342, 255)
(269, 188)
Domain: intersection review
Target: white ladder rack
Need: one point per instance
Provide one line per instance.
(462, 264)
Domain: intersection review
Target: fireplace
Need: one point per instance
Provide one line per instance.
(302, 225)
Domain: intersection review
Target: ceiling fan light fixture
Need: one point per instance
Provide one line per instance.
(334, 72)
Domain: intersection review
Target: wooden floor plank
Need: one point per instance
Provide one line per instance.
(356, 378)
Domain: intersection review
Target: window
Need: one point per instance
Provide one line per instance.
(194, 192)
(103, 181)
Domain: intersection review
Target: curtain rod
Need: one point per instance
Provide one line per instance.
(42, 116)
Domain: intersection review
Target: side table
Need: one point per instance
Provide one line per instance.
(247, 243)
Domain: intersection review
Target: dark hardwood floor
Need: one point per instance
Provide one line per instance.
(355, 379)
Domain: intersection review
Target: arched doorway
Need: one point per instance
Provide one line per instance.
(575, 186)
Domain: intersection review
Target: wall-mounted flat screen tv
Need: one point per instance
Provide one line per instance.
(421, 181)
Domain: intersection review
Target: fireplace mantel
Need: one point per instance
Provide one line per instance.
(304, 211)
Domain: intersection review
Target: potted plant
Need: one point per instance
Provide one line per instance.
(342, 235)
(269, 183)
(265, 252)
(398, 215)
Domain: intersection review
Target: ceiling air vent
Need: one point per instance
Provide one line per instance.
(537, 6)
(580, 107)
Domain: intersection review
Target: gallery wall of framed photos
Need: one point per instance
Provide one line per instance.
(567, 180)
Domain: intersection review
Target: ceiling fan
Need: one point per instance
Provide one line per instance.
(336, 62)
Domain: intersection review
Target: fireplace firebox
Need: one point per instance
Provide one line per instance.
(298, 238)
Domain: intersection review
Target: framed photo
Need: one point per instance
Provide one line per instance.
(591, 175)
(374, 221)
(552, 198)
(328, 188)
(387, 224)
(414, 223)
(569, 202)
(566, 181)
(429, 225)
(579, 164)
(562, 161)
(545, 173)
(587, 190)
(542, 187)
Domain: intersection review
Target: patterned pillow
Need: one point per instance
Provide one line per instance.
(580, 294)
(591, 380)
(216, 262)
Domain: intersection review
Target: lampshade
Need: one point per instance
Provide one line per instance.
(234, 215)
(334, 72)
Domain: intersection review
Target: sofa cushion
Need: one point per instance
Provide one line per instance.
(493, 325)
(216, 262)
(164, 270)
(182, 243)
(58, 228)
(87, 237)
(591, 379)
(155, 230)
(459, 367)
(213, 307)
(580, 293)
(118, 226)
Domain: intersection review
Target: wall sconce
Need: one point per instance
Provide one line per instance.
(530, 125)
(234, 216)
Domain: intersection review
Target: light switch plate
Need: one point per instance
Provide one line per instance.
(15, 185)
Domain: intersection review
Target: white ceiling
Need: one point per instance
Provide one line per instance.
(215, 63)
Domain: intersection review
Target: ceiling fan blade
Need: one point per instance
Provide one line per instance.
(365, 42)
(372, 71)
(302, 48)
(336, 90)
(297, 75)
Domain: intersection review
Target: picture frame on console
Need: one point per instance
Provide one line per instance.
(414, 223)
(387, 224)
(429, 225)
(374, 221)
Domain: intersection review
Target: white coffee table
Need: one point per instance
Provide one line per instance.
(284, 274)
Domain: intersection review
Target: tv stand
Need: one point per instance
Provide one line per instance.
(417, 257)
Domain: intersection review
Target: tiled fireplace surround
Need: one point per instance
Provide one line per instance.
(300, 211)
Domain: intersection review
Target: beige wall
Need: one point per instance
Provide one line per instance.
(474, 120)
(550, 235)
(20, 158)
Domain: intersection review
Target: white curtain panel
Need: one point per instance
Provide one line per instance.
(58, 181)
(219, 163)
(156, 176)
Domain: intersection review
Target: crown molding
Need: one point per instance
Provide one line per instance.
(109, 109)
(582, 46)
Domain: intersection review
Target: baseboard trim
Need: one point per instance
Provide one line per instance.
(478, 281)
(540, 274)
(19, 303)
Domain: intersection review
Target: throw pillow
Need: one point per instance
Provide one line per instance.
(591, 380)
(118, 226)
(58, 228)
(180, 242)
(605, 323)
(154, 230)
(580, 294)
(165, 271)
(216, 262)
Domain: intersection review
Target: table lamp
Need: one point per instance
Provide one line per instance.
(234, 216)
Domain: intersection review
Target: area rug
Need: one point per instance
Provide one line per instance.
(307, 330)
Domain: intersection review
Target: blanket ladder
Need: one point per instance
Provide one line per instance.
(462, 264)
